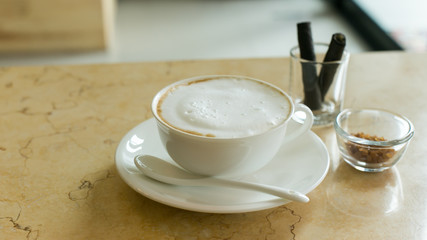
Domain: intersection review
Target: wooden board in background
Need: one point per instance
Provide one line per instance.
(55, 25)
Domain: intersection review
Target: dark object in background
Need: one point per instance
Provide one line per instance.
(375, 35)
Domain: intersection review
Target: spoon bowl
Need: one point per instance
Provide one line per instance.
(166, 172)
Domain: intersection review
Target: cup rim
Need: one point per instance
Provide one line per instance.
(160, 93)
(345, 56)
(389, 143)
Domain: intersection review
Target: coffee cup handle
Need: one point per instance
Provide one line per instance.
(297, 128)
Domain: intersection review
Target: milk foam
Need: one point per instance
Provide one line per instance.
(224, 107)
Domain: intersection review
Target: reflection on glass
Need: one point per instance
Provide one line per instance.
(365, 194)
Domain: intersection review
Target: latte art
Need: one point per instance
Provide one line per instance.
(224, 107)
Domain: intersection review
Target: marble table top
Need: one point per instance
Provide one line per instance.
(60, 127)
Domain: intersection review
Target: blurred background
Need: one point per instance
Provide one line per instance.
(50, 32)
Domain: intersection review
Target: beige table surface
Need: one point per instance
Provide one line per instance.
(60, 126)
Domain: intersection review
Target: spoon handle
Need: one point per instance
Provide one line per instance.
(276, 191)
(163, 171)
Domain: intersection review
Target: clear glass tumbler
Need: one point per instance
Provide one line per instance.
(319, 85)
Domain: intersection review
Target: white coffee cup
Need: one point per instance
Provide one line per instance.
(207, 154)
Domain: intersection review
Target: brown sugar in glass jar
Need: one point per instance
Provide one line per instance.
(370, 153)
(372, 140)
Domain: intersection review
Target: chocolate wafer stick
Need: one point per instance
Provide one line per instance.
(334, 53)
(312, 94)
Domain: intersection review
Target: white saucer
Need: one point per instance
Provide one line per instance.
(300, 165)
